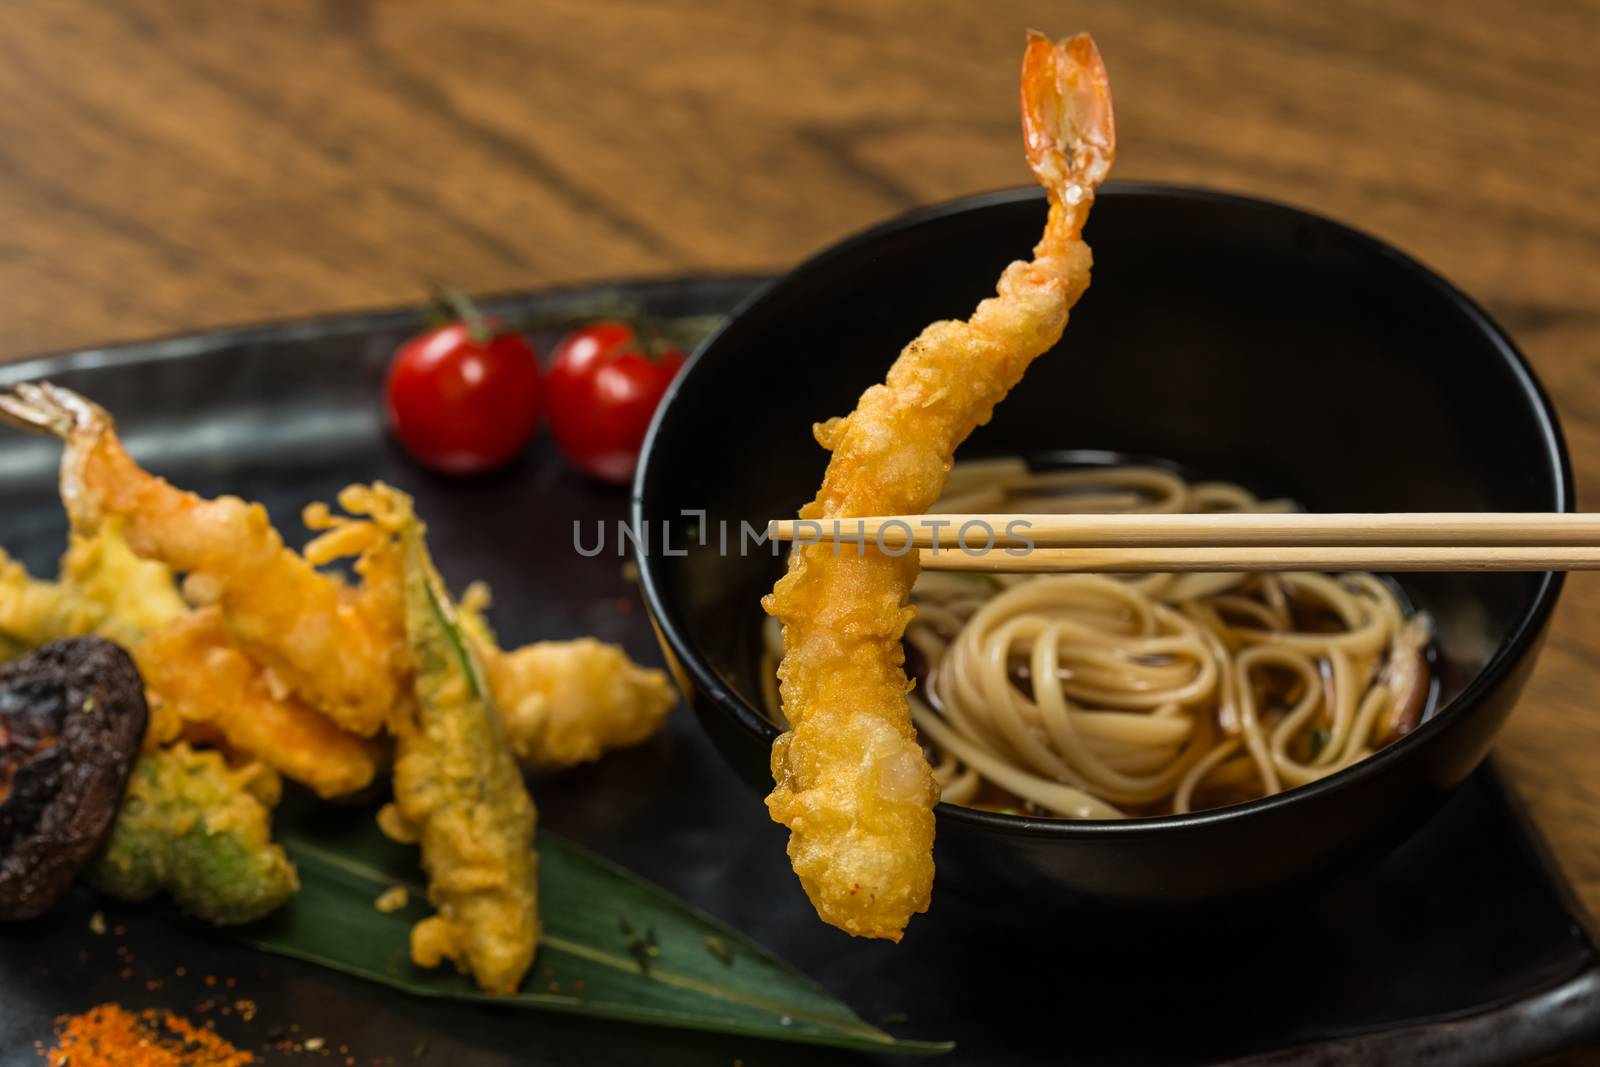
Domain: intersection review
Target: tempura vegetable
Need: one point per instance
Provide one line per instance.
(139, 595)
(104, 590)
(459, 794)
(566, 702)
(290, 617)
(196, 828)
(199, 674)
(34, 611)
(570, 702)
(852, 783)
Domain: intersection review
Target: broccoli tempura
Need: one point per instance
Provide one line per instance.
(196, 828)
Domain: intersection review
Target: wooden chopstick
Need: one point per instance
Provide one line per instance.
(1232, 541)
(1449, 529)
(1262, 558)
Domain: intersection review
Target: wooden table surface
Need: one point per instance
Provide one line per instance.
(169, 166)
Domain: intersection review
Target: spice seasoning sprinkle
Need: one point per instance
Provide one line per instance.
(112, 1036)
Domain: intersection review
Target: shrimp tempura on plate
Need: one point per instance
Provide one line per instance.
(290, 617)
(852, 783)
(194, 670)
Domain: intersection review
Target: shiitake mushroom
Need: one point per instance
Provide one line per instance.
(72, 716)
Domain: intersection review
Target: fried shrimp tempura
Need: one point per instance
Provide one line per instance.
(372, 537)
(852, 783)
(196, 671)
(290, 617)
(567, 702)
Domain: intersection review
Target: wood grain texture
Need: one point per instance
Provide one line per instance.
(169, 166)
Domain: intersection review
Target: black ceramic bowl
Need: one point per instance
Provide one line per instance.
(1242, 339)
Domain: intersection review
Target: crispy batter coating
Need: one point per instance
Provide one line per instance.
(275, 657)
(852, 783)
(200, 830)
(373, 538)
(139, 595)
(570, 702)
(34, 611)
(459, 794)
(196, 670)
(567, 702)
(562, 702)
(293, 619)
(104, 590)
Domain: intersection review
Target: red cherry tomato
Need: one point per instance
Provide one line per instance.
(604, 385)
(461, 405)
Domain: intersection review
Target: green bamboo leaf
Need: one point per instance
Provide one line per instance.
(615, 946)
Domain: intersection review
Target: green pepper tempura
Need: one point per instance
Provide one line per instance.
(459, 794)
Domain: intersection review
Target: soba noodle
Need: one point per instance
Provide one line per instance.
(1169, 693)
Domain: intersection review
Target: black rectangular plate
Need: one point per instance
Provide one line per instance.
(1465, 945)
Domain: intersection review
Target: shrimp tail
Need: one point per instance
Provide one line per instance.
(40, 407)
(1068, 125)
